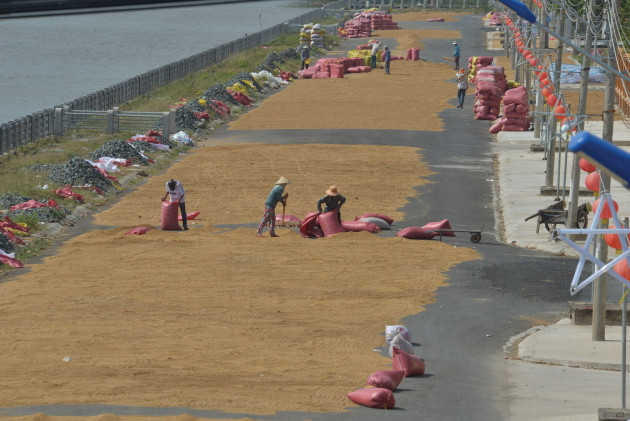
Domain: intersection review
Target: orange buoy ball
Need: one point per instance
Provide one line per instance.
(552, 99)
(545, 82)
(533, 61)
(587, 166)
(613, 240)
(546, 92)
(543, 75)
(520, 50)
(592, 181)
(508, 21)
(622, 268)
(606, 212)
(560, 112)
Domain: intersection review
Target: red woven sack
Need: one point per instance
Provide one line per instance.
(410, 364)
(10, 261)
(497, 126)
(357, 226)
(373, 397)
(385, 218)
(138, 230)
(189, 216)
(329, 223)
(388, 379)
(307, 229)
(443, 224)
(168, 221)
(416, 233)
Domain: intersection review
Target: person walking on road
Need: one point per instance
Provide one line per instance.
(306, 57)
(333, 201)
(175, 189)
(462, 86)
(456, 54)
(275, 196)
(375, 48)
(388, 59)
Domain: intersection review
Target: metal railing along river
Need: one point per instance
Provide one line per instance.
(42, 124)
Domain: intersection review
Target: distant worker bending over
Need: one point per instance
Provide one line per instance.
(333, 201)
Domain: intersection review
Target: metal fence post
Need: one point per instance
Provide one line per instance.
(110, 122)
(167, 131)
(3, 139)
(65, 120)
(115, 120)
(57, 122)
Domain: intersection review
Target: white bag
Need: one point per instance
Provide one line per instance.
(378, 221)
(402, 344)
(391, 331)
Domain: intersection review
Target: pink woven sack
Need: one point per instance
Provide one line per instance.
(410, 364)
(373, 397)
(388, 379)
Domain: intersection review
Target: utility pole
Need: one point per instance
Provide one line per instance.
(557, 74)
(575, 170)
(601, 252)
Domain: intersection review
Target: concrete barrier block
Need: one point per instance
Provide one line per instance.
(582, 314)
(613, 414)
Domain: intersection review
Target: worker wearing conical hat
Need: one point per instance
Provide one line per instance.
(269, 216)
(333, 201)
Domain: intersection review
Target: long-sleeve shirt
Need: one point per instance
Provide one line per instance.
(462, 81)
(456, 51)
(388, 55)
(305, 54)
(275, 196)
(331, 202)
(375, 49)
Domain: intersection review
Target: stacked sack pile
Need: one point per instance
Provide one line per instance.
(317, 36)
(357, 27)
(334, 67)
(488, 93)
(363, 51)
(378, 391)
(515, 109)
(412, 54)
(382, 21)
(305, 35)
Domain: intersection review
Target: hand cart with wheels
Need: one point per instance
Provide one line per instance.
(475, 235)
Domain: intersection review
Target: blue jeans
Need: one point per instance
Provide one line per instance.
(387, 67)
(461, 94)
(182, 208)
(373, 62)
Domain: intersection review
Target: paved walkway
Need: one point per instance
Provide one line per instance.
(558, 363)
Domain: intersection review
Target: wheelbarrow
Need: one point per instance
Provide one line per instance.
(556, 214)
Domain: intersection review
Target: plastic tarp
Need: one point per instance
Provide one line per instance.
(571, 73)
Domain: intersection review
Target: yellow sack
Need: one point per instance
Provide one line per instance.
(307, 61)
(17, 232)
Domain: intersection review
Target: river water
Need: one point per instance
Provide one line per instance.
(46, 61)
